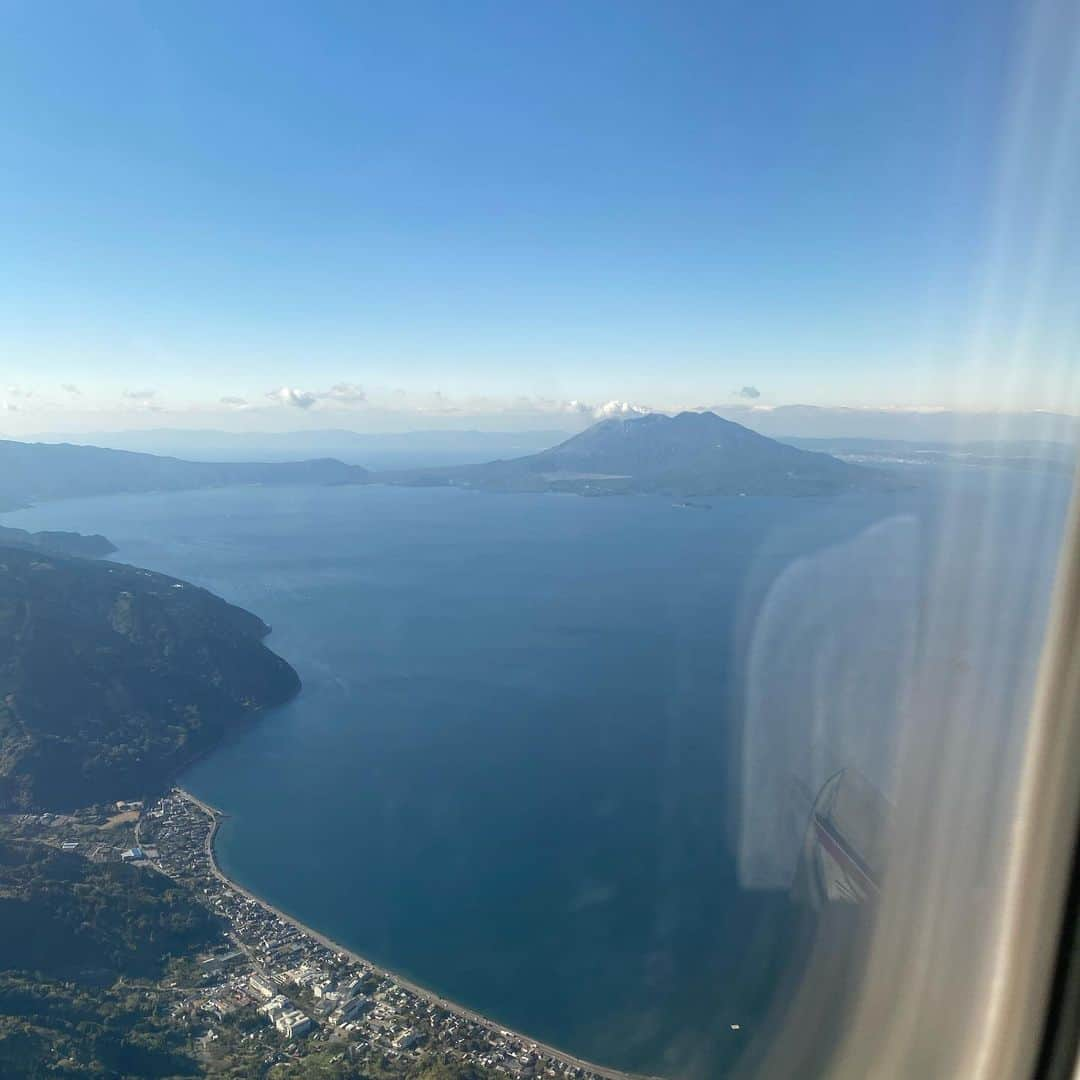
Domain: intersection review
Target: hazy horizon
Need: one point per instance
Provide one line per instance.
(529, 431)
(360, 218)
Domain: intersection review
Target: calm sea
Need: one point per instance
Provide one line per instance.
(516, 765)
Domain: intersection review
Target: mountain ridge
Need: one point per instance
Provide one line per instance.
(32, 472)
(112, 678)
(691, 453)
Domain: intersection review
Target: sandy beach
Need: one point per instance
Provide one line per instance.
(216, 815)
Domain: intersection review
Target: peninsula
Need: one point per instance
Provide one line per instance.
(113, 678)
(36, 472)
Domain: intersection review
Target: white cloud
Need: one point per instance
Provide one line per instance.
(341, 395)
(619, 410)
(71, 389)
(289, 395)
(350, 395)
(142, 401)
(346, 393)
(234, 402)
(607, 411)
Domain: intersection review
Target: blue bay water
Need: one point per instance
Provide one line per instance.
(510, 772)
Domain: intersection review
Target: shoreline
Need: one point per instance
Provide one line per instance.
(215, 815)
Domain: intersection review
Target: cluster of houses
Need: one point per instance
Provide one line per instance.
(280, 1011)
(86, 832)
(275, 961)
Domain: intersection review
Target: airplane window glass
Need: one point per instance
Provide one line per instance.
(535, 540)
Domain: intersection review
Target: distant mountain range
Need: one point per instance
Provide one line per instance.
(31, 472)
(203, 458)
(377, 450)
(693, 453)
(473, 441)
(113, 678)
(889, 453)
(57, 543)
(908, 425)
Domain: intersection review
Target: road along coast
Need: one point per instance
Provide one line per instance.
(284, 951)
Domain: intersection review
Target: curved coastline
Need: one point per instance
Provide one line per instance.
(215, 815)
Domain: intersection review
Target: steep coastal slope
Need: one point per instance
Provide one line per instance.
(30, 472)
(112, 678)
(684, 455)
(58, 543)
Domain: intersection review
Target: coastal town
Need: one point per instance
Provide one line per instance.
(270, 997)
(310, 992)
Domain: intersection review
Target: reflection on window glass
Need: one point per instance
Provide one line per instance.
(529, 535)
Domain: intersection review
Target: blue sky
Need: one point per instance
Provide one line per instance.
(486, 208)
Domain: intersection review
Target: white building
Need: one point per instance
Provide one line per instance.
(261, 987)
(275, 1006)
(353, 1007)
(293, 1023)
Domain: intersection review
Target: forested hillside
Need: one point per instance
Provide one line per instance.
(31, 472)
(73, 936)
(112, 678)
